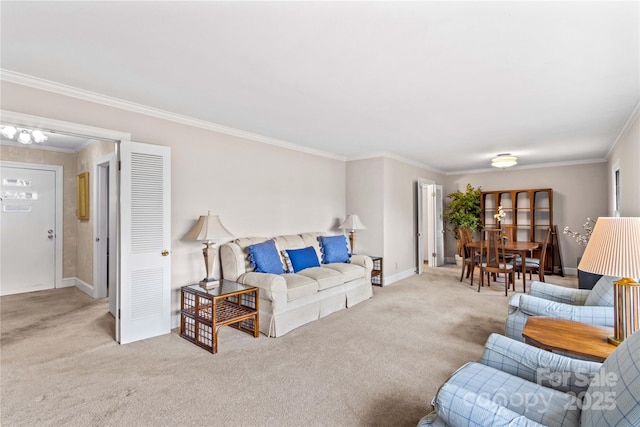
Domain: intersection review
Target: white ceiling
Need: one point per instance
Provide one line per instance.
(445, 84)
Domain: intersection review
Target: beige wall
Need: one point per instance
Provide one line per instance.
(579, 192)
(69, 222)
(256, 188)
(400, 208)
(382, 191)
(365, 197)
(626, 155)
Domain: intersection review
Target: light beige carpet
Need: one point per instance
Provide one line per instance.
(376, 364)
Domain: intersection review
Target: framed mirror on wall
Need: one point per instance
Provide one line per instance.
(83, 196)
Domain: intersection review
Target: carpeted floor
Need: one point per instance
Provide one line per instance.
(376, 364)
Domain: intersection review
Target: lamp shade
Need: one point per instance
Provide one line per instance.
(613, 248)
(209, 229)
(352, 222)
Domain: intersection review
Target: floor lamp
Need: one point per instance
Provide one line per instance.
(614, 250)
(208, 229)
(352, 223)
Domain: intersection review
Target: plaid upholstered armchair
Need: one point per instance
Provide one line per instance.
(593, 306)
(515, 384)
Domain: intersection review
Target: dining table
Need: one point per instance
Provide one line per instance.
(513, 247)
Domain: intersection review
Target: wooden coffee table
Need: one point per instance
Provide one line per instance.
(568, 336)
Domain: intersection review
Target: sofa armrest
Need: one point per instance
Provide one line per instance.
(558, 293)
(457, 405)
(272, 287)
(232, 261)
(539, 366)
(363, 261)
(594, 315)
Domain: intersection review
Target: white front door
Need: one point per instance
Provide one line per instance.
(27, 230)
(144, 300)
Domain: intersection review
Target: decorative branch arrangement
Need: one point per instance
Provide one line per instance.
(582, 239)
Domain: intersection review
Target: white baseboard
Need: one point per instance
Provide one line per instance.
(398, 276)
(175, 321)
(569, 271)
(68, 282)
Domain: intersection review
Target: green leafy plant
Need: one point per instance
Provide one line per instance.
(464, 210)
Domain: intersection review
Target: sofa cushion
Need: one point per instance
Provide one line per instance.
(299, 286)
(326, 277)
(311, 239)
(244, 243)
(300, 259)
(265, 258)
(293, 241)
(602, 292)
(349, 271)
(334, 249)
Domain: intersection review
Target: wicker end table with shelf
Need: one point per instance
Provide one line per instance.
(376, 273)
(205, 311)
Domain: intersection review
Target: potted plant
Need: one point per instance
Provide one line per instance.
(463, 211)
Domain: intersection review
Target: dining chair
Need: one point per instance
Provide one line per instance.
(535, 265)
(469, 257)
(492, 259)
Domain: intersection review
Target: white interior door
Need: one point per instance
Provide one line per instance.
(27, 230)
(436, 226)
(144, 300)
(420, 227)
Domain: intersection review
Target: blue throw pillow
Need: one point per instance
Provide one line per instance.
(302, 258)
(265, 258)
(334, 249)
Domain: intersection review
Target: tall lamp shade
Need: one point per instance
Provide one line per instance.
(352, 223)
(614, 250)
(209, 230)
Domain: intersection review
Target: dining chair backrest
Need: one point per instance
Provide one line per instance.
(462, 238)
(467, 234)
(492, 246)
(543, 254)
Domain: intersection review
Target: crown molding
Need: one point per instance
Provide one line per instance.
(537, 166)
(625, 127)
(398, 158)
(73, 92)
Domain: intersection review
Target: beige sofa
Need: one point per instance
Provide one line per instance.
(290, 300)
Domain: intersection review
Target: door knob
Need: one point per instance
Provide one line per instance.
(50, 236)
(50, 231)
(165, 253)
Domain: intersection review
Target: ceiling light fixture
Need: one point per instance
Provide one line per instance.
(25, 136)
(504, 161)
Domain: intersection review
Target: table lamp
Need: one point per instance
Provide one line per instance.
(209, 230)
(352, 223)
(614, 250)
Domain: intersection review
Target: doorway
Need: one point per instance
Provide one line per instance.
(105, 230)
(430, 225)
(30, 225)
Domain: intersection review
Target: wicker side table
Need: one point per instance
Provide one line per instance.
(205, 311)
(376, 273)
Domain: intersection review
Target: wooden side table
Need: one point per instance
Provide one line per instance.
(205, 311)
(568, 336)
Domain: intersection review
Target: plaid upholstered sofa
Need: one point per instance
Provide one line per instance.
(514, 384)
(593, 306)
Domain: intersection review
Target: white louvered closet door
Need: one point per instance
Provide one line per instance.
(145, 261)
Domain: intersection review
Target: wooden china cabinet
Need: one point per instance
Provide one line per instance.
(527, 212)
